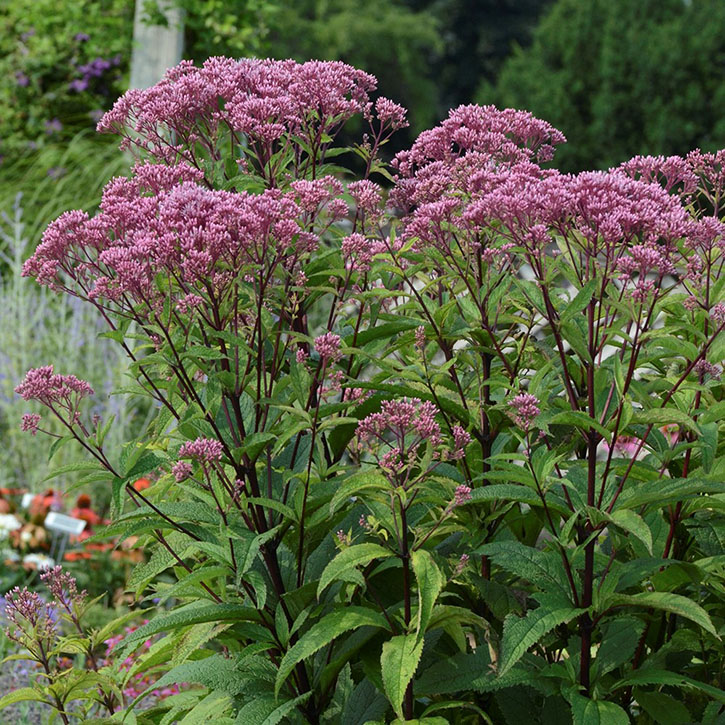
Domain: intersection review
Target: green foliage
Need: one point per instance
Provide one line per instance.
(621, 78)
(398, 664)
(41, 55)
(479, 35)
(474, 477)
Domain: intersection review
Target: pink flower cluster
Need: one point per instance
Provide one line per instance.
(368, 197)
(314, 194)
(461, 438)
(402, 418)
(472, 186)
(359, 250)
(204, 450)
(462, 495)
(29, 423)
(63, 587)
(703, 368)
(503, 136)
(673, 173)
(161, 222)
(606, 209)
(43, 385)
(328, 346)
(717, 313)
(525, 408)
(30, 618)
(181, 470)
(262, 99)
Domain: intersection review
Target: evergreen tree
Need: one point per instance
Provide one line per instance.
(622, 77)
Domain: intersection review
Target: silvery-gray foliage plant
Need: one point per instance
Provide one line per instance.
(37, 326)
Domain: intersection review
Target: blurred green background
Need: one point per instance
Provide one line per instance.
(618, 77)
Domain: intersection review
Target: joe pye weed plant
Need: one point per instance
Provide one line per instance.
(449, 456)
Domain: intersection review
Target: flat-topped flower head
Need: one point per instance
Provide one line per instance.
(402, 418)
(263, 99)
(162, 222)
(673, 173)
(471, 140)
(204, 450)
(46, 387)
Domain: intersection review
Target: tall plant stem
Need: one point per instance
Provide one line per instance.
(585, 620)
(405, 557)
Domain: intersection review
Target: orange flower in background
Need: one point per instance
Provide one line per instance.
(42, 503)
(77, 555)
(141, 484)
(4, 506)
(99, 546)
(84, 511)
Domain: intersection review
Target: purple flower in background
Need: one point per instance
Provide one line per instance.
(81, 37)
(53, 126)
(21, 79)
(96, 68)
(79, 84)
(96, 115)
(27, 34)
(55, 172)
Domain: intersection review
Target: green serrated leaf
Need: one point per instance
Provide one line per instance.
(634, 524)
(349, 558)
(649, 676)
(667, 602)
(355, 485)
(398, 664)
(325, 631)
(364, 704)
(215, 707)
(581, 300)
(194, 613)
(663, 416)
(142, 574)
(23, 694)
(663, 708)
(520, 633)
(268, 710)
(619, 642)
(596, 712)
(430, 583)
